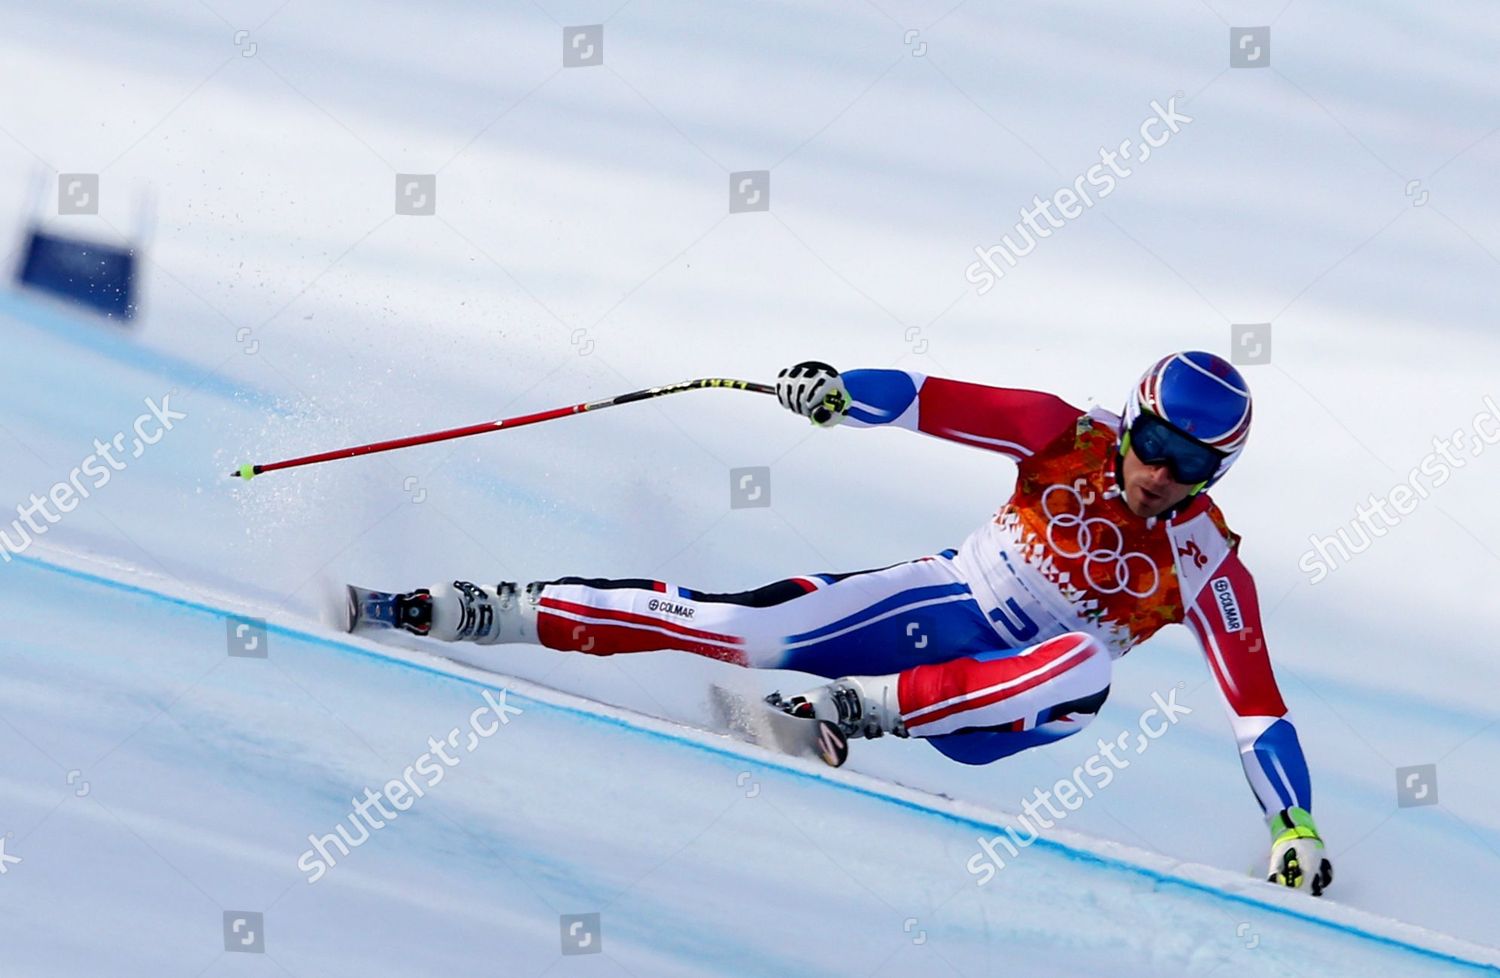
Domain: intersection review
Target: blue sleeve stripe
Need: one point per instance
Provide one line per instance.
(879, 396)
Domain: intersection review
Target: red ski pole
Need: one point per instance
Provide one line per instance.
(248, 471)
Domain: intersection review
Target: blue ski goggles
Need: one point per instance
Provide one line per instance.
(1155, 442)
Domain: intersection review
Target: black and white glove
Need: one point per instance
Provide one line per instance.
(813, 390)
(1297, 857)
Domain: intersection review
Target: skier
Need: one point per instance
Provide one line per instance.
(1006, 642)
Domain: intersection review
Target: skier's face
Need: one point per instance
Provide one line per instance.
(1150, 490)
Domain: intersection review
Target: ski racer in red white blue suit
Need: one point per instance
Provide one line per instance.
(1008, 641)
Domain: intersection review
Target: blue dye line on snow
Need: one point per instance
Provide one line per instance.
(111, 340)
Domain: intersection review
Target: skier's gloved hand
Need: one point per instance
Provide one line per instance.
(1297, 857)
(813, 390)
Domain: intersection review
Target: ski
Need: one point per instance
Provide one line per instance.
(763, 723)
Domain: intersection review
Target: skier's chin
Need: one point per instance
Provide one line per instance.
(1145, 503)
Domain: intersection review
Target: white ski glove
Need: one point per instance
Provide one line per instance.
(813, 390)
(1297, 857)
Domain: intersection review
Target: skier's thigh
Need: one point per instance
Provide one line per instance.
(881, 621)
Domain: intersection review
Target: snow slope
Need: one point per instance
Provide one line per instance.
(208, 774)
(582, 248)
(153, 783)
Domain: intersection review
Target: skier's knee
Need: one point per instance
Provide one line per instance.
(1088, 659)
(1052, 680)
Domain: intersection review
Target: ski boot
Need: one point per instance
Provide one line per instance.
(862, 706)
(455, 612)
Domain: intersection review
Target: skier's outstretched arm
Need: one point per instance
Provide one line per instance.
(1226, 618)
(1012, 421)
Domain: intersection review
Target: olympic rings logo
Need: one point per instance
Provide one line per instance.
(1095, 545)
